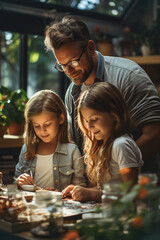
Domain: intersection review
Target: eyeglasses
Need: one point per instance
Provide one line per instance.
(73, 63)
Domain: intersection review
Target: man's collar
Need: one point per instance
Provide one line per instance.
(100, 67)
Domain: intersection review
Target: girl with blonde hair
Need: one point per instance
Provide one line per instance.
(110, 152)
(47, 158)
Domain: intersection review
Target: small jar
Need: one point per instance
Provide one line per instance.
(46, 212)
(147, 181)
(148, 178)
(13, 207)
(112, 192)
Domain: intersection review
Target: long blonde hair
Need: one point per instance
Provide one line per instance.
(44, 100)
(102, 97)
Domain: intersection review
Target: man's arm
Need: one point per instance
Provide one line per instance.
(149, 141)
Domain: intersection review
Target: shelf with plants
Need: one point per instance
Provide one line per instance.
(143, 60)
(11, 141)
(151, 65)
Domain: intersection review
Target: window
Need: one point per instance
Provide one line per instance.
(24, 62)
(114, 8)
(9, 60)
(41, 71)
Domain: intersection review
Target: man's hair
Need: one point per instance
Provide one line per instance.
(68, 29)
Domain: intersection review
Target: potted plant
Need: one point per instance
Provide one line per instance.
(103, 40)
(12, 105)
(149, 39)
(127, 42)
(6, 109)
(128, 221)
(18, 100)
(154, 37)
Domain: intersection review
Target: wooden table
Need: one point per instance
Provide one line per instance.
(22, 236)
(27, 235)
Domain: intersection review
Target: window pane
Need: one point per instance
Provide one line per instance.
(9, 59)
(41, 71)
(114, 8)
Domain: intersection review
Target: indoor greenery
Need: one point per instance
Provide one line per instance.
(150, 36)
(101, 34)
(12, 105)
(135, 216)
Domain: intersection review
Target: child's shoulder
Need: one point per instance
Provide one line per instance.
(124, 139)
(70, 146)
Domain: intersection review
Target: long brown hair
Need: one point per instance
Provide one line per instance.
(44, 100)
(102, 97)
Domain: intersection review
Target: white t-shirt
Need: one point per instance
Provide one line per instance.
(125, 154)
(44, 171)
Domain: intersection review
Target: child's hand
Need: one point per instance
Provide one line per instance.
(67, 191)
(81, 194)
(24, 179)
(78, 193)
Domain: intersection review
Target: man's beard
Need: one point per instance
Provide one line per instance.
(86, 73)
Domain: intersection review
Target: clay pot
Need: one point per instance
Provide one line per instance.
(105, 47)
(127, 48)
(15, 129)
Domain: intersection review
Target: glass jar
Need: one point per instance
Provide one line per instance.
(111, 192)
(147, 183)
(148, 178)
(46, 212)
(13, 207)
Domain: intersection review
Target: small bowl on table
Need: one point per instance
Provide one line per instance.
(30, 188)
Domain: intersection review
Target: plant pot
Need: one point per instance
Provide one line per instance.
(15, 129)
(145, 50)
(105, 47)
(3, 130)
(127, 48)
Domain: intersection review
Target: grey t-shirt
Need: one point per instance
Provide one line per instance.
(134, 84)
(136, 87)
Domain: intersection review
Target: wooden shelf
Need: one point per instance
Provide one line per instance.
(11, 141)
(142, 60)
(150, 64)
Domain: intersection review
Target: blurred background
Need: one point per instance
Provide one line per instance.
(127, 26)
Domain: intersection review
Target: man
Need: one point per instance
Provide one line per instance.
(76, 56)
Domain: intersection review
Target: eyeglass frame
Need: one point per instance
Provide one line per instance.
(70, 62)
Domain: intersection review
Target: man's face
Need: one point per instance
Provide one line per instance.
(70, 52)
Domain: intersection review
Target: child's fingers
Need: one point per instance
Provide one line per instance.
(67, 190)
(25, 179)
(66, 194)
